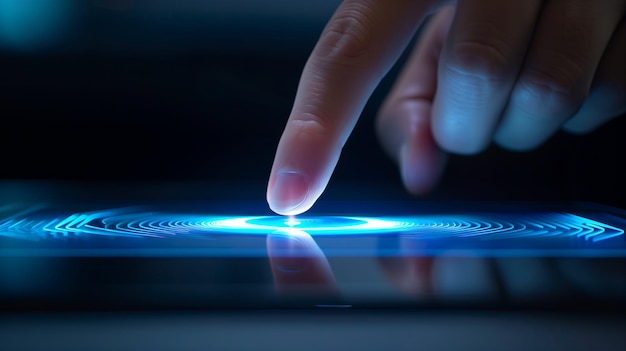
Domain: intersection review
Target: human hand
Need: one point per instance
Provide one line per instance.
(484, 70)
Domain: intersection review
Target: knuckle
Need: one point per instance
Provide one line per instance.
(311, 124)
(348, 35)
(557, 81)
(481, 58)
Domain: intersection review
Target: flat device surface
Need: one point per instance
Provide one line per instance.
(211, 268)
(239, 229)
(172, 253)
(91, 252)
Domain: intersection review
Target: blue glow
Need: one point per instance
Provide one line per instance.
(32, 24)
(138, 231)
(292, 221)
(137, 223)
(311, 225)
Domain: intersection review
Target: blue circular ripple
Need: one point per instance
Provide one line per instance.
(311, 225)
(137, 223)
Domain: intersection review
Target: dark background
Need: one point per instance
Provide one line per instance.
(185, 91)
(182, 91)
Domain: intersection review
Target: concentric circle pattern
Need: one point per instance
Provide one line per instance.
(137, 223)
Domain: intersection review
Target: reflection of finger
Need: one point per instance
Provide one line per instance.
(446, 279)
(356, 49)
(408, 272)
(465, 280)
(530, 279)
(299, 266)
(601, 279)
(607, 98)
(403, 122)
(558, 71)
(479, 64)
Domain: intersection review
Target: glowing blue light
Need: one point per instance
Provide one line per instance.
(292, 221)
(311, 225)
(131, 222)
(32, 24)
(150, 232)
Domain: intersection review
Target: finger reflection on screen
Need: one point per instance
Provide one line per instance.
(299, 267)
(601, 278)
(444, 278)
(411, 275)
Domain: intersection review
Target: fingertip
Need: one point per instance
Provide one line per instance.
(412, 177)
(289, 192)
(515, 145)
(521, 132)
(303, 165)
(577, 128)
(454, 136)
(421, 166)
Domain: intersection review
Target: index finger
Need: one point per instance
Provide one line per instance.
(356, 49)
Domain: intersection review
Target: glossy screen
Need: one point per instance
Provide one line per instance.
(160, 231)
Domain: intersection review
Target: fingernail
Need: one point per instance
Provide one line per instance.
(289, 191)
(287, 252)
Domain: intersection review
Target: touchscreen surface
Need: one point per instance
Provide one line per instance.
(236, 229)
(92, 253)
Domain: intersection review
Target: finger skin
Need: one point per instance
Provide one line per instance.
(607, 98)
(356, 49)
(481, 58)
(403, 122)
(571, 38)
